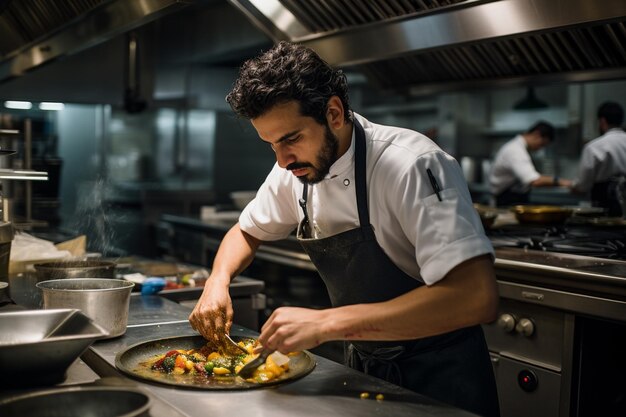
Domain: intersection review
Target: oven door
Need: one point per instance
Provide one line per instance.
(526, 390)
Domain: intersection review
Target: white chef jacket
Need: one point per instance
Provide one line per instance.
(601, 159)
(423, 236)
(512, 168)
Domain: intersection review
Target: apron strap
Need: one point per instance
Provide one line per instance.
(360, 179)
(360, 173)
(303, 201)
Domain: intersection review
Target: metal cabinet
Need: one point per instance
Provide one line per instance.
(526, 390)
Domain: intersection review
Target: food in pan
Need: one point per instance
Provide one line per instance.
(210, 362)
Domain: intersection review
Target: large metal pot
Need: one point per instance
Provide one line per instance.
(79, 402)
(541, 214)
(75, 269)
(105, 301)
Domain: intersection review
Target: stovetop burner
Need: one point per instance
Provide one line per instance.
(576, 240)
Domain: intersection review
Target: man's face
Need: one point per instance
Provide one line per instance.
(302, 145)
(537, 141)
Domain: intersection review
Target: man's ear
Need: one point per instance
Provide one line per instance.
(335, 113)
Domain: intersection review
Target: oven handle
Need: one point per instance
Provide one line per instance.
(563, 300)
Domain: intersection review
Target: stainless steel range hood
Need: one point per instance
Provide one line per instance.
(430, 45)
(34, 32)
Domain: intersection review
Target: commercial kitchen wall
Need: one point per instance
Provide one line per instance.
(116, 165)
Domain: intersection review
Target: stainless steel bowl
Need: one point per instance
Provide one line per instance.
(79, 402)
(106, 301)
(37, 346)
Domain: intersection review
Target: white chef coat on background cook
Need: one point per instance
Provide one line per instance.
(601, 159)
(423, 236)
(512, 168)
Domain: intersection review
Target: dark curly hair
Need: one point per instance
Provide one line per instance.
(288, 72)
(612, 112)
(545, 129)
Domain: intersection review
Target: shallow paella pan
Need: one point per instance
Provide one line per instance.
(543, 214)
(132, 362)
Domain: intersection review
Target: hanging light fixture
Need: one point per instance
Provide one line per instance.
(530, 101)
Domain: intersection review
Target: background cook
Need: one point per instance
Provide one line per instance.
(602, 168)
(513, 173)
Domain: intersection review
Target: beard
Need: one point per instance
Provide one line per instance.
(326, 157)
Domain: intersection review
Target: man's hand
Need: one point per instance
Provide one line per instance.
(291, 329)
(213, 314)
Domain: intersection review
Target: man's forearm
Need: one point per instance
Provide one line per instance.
(467, 296)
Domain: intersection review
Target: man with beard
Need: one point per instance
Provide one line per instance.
(385, 216)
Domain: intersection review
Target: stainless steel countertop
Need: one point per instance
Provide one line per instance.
(331, 389)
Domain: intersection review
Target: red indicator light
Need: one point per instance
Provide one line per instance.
(527, 380)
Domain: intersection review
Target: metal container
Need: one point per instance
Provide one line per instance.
(79, 402)
(4, 294)
(75, 269)
(106, 301)
(37, 346)
(487, 215)
(472, 169)
(6, 236)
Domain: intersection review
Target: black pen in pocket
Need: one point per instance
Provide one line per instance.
(433, 183)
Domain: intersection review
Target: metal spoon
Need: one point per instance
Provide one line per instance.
(234, 345)
(249, 368)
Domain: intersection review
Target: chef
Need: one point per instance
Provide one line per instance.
(513, 173)
(385, 216)
(602, 168)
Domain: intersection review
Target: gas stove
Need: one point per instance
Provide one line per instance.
(607, 243)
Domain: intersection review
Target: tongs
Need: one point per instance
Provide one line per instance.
(249, 368)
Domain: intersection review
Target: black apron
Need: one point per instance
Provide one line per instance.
(605, 194)
(511, 198)
(454, 368)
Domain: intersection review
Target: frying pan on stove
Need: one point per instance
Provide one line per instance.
(132, 363)
(541, 214)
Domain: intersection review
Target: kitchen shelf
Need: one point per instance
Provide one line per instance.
(9, 132)
(427, 108)
(513, 132)
(26, 174)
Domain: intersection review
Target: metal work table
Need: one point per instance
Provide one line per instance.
(331, 389)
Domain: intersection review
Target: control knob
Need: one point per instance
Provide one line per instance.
(525, 327)
(506, 322)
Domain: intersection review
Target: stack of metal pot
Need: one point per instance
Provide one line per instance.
(89, 286)
(6, 237)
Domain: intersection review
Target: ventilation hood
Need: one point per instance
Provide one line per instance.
(35, 32)
(423, 46)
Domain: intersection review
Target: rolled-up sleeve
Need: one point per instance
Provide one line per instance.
(272, 215)
(447, 232)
